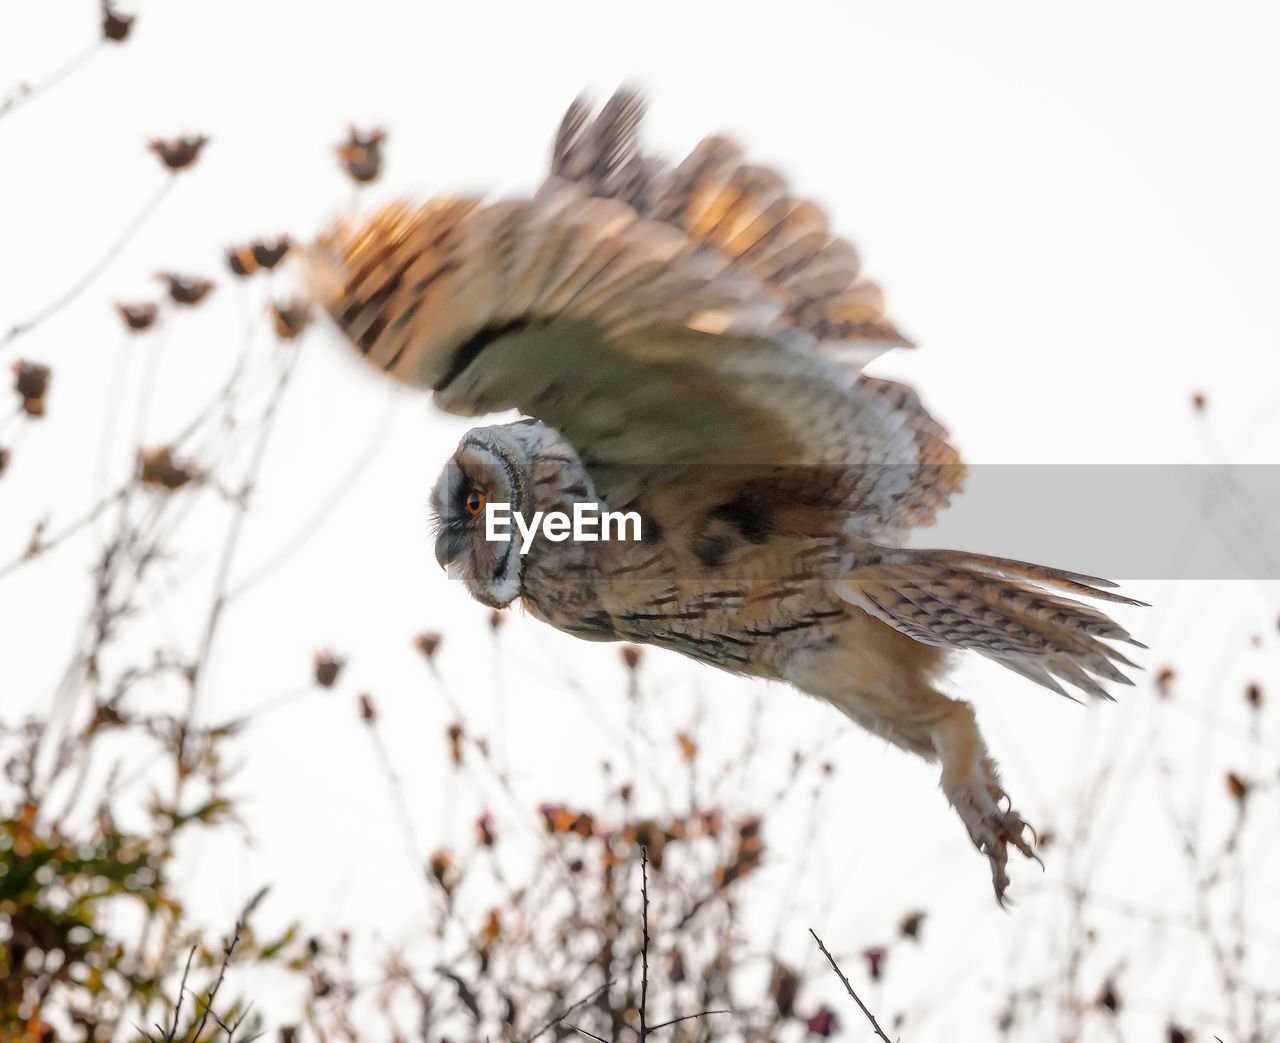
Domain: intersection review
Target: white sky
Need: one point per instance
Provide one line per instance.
(1072, 210)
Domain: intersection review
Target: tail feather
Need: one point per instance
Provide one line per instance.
(1010, 611)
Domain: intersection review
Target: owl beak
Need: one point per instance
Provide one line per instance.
(448, 547)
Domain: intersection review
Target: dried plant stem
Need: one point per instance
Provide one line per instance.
(149, 207)
(849, 988)
(26, 92)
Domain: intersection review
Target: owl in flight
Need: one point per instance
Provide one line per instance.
(687, 343)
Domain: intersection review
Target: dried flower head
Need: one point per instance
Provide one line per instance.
(1238, 786)
(824, 1024)
(442, 869)
(486, 835)
(115, 26)
(361, 154)
(186, 290)
(31, 382)
(427, 643)
(911, 924)
(268, 254)
(368, 712)
(784, 986)
(454, 734)
(178, 153)
(241, 262)
(292, 317)
(159, 467)
(138, 317)
(327, 668)
(1164, 680)
(630, 656)
(496, 619)
(1253, 696)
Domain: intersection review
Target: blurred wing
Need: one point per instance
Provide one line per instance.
(742, 212)
(654, 354)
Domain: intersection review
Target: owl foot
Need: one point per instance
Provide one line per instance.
(993, 827)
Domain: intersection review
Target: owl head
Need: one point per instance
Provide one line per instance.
(491, 465)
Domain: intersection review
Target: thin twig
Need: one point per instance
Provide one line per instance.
(83, 283)
(569, 1010)
(233, 534)
(849, 988)
(687, 1017)
(182, 988)
(226, 959)
(644, 948)
(25, 92)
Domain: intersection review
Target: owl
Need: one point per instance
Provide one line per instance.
(686, 343)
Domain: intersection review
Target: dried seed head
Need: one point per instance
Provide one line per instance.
(368, 712)
(442, 869)
(676, 972)
(1238, 786)
(427, 643)
(159, 467)
(875, 958)
(688, 748)
(240, 261)
(138, 317)
(178, 153)
(31, 382)
(630, 656)
(1164, 680)
(784, 986)
(268, 254)
(911, 924)
(327, 668)
(1199, 401)
(1253, 696)
(454, 735)
(361, 154)
(115, 26)
(1108, 997)
(496, 619)
(485, 833)
(824, 1024)
(186, 290)
(292, 317)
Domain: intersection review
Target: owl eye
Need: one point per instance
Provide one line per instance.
(474, 502)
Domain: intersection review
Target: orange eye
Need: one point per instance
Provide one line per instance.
(475, 502)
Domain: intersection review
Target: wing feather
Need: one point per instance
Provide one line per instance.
(660, 318)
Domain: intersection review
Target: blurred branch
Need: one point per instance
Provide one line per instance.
(148, 208)
(26, 92)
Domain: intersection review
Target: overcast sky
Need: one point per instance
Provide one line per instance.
(1072, 209)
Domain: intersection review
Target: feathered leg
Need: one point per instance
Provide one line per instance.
(887, 683)
(970, 781)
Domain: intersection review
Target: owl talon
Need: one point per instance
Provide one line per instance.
(994, 829)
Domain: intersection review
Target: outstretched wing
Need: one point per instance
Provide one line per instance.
(742, 212)
(689, 329)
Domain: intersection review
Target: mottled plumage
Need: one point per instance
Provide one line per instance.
(690, 341)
